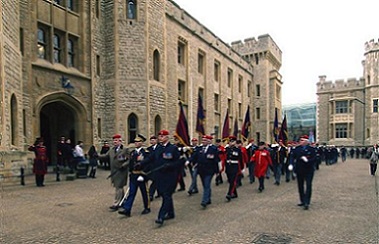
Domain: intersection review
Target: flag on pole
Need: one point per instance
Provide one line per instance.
(276, 127)
(246, 125)
(200, 117)
(283, 134)
(225, 129)
(235, 130)
(181, 131)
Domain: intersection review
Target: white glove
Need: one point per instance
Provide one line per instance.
(304, 159)
(290, 167)
(187, 163)
(243, 171)
(185, 149)
(140, 178)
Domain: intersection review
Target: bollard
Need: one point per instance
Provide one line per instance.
(22, 175)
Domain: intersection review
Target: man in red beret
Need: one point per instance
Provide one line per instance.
(118, 157)
(166, 164)
(304, 157)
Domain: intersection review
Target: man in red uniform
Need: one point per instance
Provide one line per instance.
(40, 161)
(261, 158)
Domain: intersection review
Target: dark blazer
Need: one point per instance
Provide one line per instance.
(207, 162)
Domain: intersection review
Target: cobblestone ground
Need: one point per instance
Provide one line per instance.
(344, 209)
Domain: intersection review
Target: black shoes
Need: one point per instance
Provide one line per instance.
(300, 204)
(159, 221)
(146, 211)
(181, 189)
(228, 197)
(167, 217)
(203, 204)
(193, 192)
(113, 208)
(306, 207)
(125, 212)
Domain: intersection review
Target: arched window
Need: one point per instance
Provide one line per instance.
(132, 127)
(57, 48)
(132, 9)
(156, 64)
(41, 43)
(157, 124)
(70, 53)
(14, 120)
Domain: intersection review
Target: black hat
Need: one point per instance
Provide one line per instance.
(139, 138)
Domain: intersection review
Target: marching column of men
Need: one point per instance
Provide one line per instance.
(161, 163)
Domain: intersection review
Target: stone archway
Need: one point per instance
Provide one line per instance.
(60, 115)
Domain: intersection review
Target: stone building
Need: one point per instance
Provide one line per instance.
(347, 111)
(88, 69)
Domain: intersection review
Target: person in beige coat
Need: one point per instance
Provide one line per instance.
(118, 157)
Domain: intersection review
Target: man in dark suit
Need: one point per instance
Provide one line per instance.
(207, 158)
(165, 161)
(304, 157)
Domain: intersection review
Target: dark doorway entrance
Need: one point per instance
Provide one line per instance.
(56, 119)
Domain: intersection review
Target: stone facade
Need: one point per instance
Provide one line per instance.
(347, 111)
(127, 63)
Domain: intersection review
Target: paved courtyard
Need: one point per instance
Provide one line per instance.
(344, 209)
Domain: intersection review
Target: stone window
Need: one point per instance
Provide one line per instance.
(157, 124)
(200, 62)
(216, 70)
(341, 107)
(341, 130)
(258, 90)
(22, 41)
(132, 9)
(181, 52)
(57, 48)
(240, 82)
(239, 110)
(217, 102)
(248, 88)
(182, 90)
(98, 66)
(97, 8)
(70, 5)
(132, 127)
(41, 43)
(230, 106)
(375, 105)
(258, 113)
(156, 64)
(230, 77)
(71, 52)
(14, 120)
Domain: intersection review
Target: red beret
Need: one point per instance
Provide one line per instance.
(116, 136)
(207, 137)
(194, 139)
(232, 138)
(164, 133)
(305, 137)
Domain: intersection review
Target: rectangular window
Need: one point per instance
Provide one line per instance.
(258, 113)
(43, 34)
(181, 52)
(230, 77)
(97, 8)
(258, 90)
(375, 105)
(341, 130)
(58, 40)
(239, 110)
(341, 107)
(240, 83)
(200, 62)
(22, 41)
(217, 102)
(182, 90)
(71, 51)
(217, 71)
(70, 5)
(99, 134)
(98, 65)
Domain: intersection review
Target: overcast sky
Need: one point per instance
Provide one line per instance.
(323, 37)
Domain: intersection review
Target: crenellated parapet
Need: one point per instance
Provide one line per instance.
(328, 86)
(264, 45)
(371, 46)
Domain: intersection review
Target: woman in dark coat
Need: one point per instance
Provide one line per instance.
(92, 154)
(40, 161)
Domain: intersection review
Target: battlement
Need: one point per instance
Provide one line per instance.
(371, 46)
(323, 85)
(265, 43)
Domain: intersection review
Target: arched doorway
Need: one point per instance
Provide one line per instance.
(56, 119)
(61, 115)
